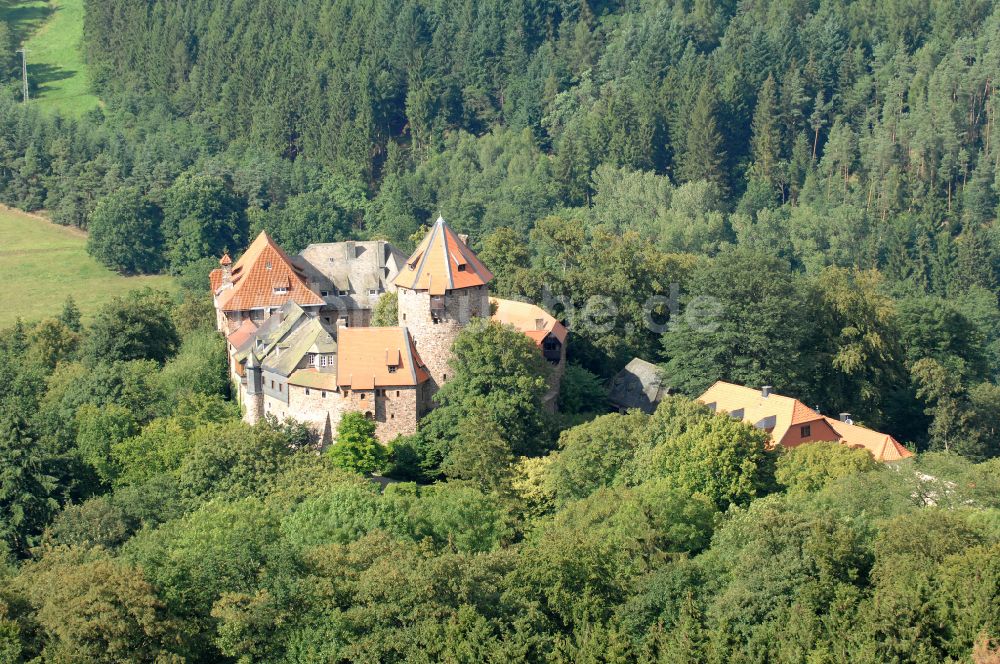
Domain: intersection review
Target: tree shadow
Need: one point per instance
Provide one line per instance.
(40, 75)
(23, 19)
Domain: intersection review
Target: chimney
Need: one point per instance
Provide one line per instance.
(464, 238)
(765, 391)
(846, 418)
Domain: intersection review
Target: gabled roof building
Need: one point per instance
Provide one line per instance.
(298, 336)
(791, 423)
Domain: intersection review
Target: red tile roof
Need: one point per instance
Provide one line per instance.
(531, 319)
(441, 263)
(215, 279)
(370, 357)
(242, 333)
(881, 445)
(781, 413)
(265, 276)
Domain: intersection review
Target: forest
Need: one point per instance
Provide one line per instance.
(826, 170)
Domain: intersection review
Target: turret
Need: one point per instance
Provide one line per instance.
(442, 287)
(254, 399)
(226, 263)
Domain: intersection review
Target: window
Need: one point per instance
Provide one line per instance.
(323, 394)
(280, 290)
(392, 416)
(272, 384)
(325, 293)
(362, 397)
(373, 291)
(312, 360)
(397, 393)
(392, 369)
(326, 319)
(307, 391)
(805, 431)
(281, 387)
(404, 316)
(445, 377)
(461, 267)
(322, 360)
(268, 265)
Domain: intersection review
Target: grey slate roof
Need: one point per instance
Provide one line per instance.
(353, 267)
(310, 337)
(271, 331)
(639, 385)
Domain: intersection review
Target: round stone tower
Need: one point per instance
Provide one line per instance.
(441, 288)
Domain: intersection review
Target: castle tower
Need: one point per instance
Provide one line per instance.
(254, 397)
(441, 288)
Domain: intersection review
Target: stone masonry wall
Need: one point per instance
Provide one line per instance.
(434, 340)
(321, 413)
(396, 413)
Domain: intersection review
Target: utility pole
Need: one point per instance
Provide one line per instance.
(24, 73)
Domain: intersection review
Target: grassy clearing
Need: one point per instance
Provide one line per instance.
(41, 264)
(52, 31)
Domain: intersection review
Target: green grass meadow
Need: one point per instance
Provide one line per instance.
(41, 264)
(52, 31)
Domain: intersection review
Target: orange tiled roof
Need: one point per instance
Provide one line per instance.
(755, 408)
(215, 279)
(265, 276)
(441, 263)
(534, 321)
(242, 333)
(370, 357)
(777, 414)
(881, 445)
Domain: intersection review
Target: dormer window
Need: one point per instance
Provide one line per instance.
(373, 291)
(325, 293)
(281, 290)
(461, 267)
(393, 369)
(267, 265)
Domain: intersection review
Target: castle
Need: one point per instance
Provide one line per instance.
(300, 343)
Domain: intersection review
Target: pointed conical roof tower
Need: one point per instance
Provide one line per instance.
(441, 263)
(442, 287)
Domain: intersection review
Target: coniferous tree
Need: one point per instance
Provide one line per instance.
(70, 316)
(26, 490)
(766, 137)
(702, 156)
